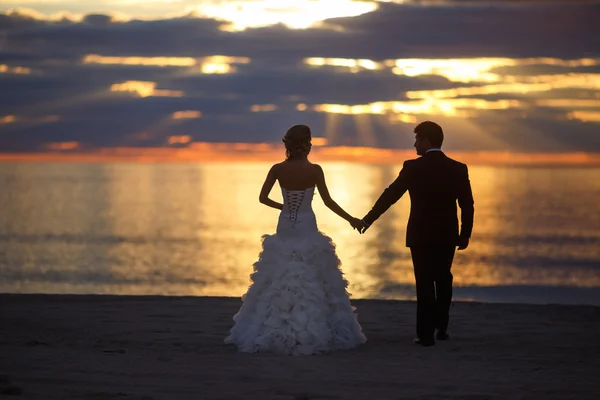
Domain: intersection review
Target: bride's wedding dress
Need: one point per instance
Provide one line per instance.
(297, 303)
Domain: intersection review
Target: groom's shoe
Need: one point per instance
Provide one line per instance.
(425, 343)
(442, 336)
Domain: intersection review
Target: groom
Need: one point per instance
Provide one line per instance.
(435, 183)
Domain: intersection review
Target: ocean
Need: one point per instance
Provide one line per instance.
(195, 230)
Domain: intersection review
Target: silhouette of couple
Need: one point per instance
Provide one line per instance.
(298, 304)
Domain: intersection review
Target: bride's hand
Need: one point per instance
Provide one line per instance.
(356, 223)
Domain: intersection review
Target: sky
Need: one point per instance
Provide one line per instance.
(504, 76)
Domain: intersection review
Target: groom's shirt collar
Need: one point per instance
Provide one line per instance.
(434, 149)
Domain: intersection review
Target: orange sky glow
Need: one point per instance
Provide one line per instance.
(270, 152)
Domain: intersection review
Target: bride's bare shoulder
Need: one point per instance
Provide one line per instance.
(317, 168)
(276, 167)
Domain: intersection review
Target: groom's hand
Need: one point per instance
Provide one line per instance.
(363, 227)
(463, 243)
(356, 224)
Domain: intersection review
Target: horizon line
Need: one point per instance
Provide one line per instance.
(199, 152)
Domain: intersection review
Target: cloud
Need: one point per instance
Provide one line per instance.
(393, 31)
(497, 77)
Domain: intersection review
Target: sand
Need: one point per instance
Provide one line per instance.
(133, 347)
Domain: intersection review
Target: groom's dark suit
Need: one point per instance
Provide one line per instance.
(435, 183)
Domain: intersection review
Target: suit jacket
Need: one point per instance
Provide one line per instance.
(435, 183)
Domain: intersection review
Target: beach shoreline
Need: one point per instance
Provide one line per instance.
(164, 347)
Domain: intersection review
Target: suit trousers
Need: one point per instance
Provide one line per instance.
(432, 264)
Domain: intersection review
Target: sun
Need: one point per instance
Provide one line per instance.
(295, 14)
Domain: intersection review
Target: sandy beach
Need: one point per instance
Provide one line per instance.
(133, 347)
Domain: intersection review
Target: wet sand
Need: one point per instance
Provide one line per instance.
(134, 347)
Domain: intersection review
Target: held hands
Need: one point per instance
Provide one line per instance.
(355, 223)
(359, 225)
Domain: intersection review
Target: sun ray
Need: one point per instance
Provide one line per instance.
(364, 128)
(332, 125)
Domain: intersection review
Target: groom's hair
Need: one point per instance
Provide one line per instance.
(432, 132)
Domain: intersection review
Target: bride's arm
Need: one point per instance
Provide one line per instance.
(266, 189)
(329, 202)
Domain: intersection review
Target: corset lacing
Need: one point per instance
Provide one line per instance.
(294, 201)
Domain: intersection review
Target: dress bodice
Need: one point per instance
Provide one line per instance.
(297, 202)
(297, 209)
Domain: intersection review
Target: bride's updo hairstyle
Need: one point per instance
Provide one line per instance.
(297, 142)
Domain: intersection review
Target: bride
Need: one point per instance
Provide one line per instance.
(297, 303)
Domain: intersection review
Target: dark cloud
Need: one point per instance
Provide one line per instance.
(59, 84)
(393, 31)
(561, 30)
(98, 20)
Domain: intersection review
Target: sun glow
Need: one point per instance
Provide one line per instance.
(182, 149)
(29, 119)
(448, 107)
(296, 14)
(569, 103)
(6, 69)
(585, 116)
(187, 114)
(263, 107)
(217, 64)
(349, 63)
(499, 77)
(221, 64)
(456, 70)
(144, 89)
(61, 15)
(180, 139)
(540, 83)
(144, 61)
(7, 119)
(318, 141)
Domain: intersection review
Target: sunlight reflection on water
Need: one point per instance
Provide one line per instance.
(195, 230)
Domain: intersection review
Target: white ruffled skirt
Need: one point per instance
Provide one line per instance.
(297, 303)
